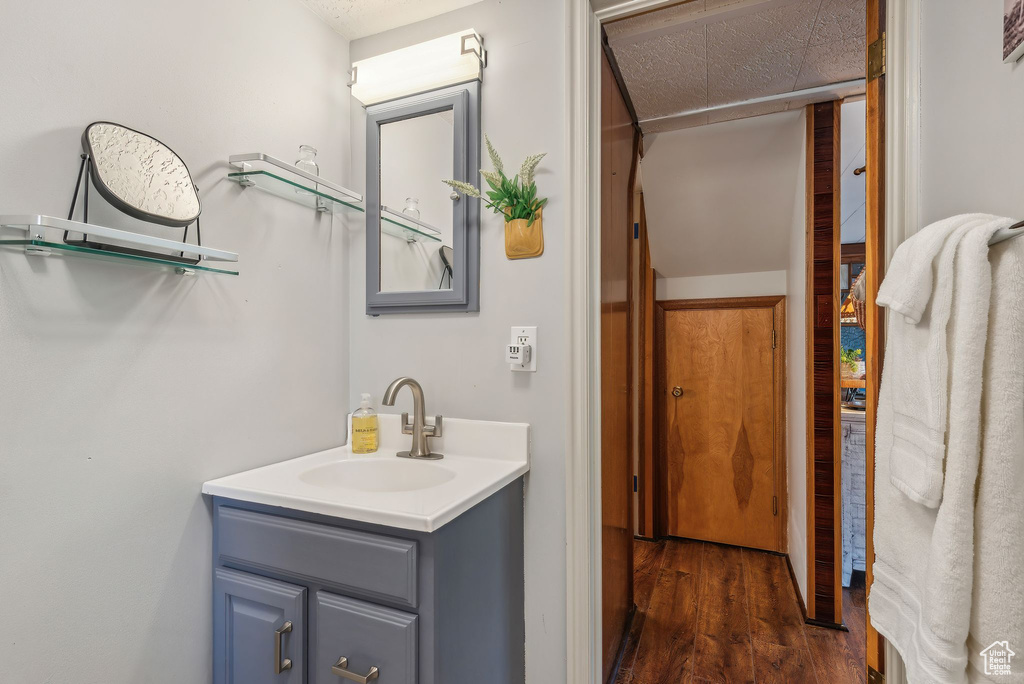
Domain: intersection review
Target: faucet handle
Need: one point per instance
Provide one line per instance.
(406, 425)
(435, 429)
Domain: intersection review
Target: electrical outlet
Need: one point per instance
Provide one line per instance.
(524, 340)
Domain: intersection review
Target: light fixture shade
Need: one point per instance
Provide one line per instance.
(445, 61)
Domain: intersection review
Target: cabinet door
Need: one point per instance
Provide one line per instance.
(367, 636)
(252, 643)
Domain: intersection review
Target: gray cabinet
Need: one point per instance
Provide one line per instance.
(438, 608)
(259, 630)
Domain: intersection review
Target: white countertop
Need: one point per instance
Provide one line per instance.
(480, 458)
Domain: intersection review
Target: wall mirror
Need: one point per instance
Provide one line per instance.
(422, 240)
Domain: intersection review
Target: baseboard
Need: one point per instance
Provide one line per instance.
(796, 588)
(827, 625)
(622, 646)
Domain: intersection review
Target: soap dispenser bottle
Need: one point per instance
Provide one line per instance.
(364, 428)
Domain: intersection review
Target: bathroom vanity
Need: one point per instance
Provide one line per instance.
(337, 567)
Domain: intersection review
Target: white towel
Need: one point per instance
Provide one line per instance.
(919, 286)
(920, 598)
(997, 606)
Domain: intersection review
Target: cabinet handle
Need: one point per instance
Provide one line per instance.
(286, 664)
(340, 668)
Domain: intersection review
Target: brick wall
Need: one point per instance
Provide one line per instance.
(854, 503)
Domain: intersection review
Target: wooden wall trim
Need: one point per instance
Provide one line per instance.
(824, 600)
(781, 453)
(874, 264)
(620, 82)
(853, 253)
(645, 385)
(660, 389)
(809, 601)
(766, 301)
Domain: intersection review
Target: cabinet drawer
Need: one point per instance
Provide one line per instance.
(371, 565)
(366, 636)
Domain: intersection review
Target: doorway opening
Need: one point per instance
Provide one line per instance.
(735, 437)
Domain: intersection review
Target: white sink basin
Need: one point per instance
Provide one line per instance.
(375, 475)
(480, 457)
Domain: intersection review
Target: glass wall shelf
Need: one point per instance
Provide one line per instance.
(33, 241)
(403, 226)
(312, 195)
(44, 248)
(292, 183)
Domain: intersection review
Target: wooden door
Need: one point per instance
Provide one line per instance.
(720, 429)
(618, 149)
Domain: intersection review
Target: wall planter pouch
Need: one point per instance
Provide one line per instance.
(523, 241)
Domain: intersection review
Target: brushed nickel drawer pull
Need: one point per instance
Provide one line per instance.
(286, 664)
(340, 668)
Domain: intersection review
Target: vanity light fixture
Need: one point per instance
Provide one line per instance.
(449, 60)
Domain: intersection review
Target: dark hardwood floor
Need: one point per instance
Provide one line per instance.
(713, 613)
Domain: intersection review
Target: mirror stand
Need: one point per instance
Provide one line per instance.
(85, 170)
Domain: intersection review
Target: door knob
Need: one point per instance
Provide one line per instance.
(677, 391)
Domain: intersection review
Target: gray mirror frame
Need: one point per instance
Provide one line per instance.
(464, 295)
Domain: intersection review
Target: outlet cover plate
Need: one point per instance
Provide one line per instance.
(530, 333)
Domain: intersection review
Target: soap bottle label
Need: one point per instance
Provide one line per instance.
(364, 434)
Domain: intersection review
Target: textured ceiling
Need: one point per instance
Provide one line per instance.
(359, 18)
(717, 53)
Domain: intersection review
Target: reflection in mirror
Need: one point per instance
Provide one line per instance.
(416, 208)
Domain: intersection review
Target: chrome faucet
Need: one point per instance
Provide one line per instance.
(419, 430)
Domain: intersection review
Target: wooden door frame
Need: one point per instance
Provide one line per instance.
(777, 303)
(875, 259)
(626, 227)
(645, 527)
(874, 265)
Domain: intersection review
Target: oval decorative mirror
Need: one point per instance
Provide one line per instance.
(140, 176)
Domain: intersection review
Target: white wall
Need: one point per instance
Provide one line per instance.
(972, 139)
(796, 380)
(459, 357)
(719, 198)
(852, 188)
(727, 285)
(124, 388)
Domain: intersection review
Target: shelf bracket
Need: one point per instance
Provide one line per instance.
(243, 167)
